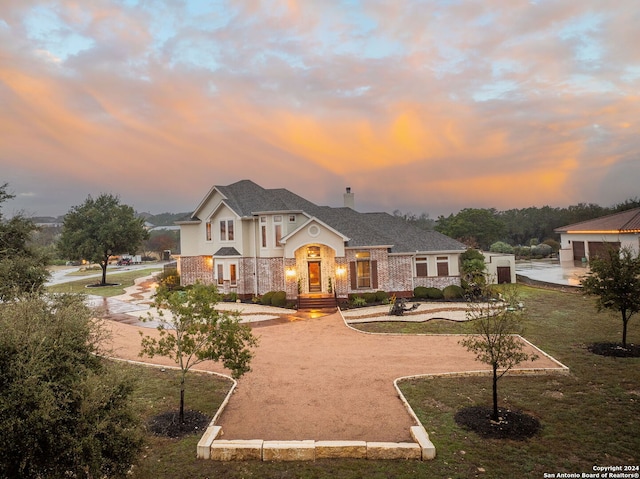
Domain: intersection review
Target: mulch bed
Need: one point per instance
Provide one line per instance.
(168, 424)
(513, 424)
(615, 350)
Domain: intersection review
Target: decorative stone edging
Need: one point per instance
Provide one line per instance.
(210, 447)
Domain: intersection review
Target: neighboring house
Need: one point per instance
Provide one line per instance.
(582, 241)
(250, 240)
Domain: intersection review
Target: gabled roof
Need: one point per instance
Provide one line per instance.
(247, 199)
(623, 222)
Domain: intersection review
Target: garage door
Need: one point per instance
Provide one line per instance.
(578, 250)
(600, 248)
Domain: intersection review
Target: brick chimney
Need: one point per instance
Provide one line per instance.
(349, 200)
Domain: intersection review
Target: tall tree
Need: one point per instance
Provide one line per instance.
(22, 268)
(100, 228)
(496, 341)
(615, 279)
(194, 331)
(473, 225)
(64, 412)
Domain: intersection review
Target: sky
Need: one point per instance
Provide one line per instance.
(418, 106)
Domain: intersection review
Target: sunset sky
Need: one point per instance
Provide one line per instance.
(421, 106)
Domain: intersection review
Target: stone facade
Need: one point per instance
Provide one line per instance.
(195, 269)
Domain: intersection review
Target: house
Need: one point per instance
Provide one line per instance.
(250, 240)
(584, 240)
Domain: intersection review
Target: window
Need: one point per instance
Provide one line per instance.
(442, 263)
(363, 269)
(292, 218)
(232, 274)
(277, 229)
(263, 231)
(226, 230)
(220, 273)
(421, 266)
(208, 234)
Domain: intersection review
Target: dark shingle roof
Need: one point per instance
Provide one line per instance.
(623, 222)
(227, 251)
(363, 229)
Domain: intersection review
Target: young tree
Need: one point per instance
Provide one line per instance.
(496, 341)
(64, 411)
(194, 331)
(22, 269)
(99, 229)
(615, 279)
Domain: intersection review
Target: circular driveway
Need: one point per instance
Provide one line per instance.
(320, 379)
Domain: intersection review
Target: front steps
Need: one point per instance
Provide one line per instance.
(317, 302)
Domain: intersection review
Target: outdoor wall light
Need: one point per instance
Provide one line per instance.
(340, 271)
(291, 272)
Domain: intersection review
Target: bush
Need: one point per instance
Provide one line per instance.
(169, 279)
(232, 297)
(64, 412)
(522, 251)
(453, 291)
(541, 250)
(358, 301)
(279, 299)
(369, 297)
(266, 298)
(382, 297)
(501, 247)
(555, 246)
(434, 293)
(420, 292)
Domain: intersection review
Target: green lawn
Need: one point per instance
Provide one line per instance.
(589, 417)
(123, 280)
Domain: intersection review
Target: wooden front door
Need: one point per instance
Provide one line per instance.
(315, 280)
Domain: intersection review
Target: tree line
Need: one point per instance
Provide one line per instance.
(481, 227)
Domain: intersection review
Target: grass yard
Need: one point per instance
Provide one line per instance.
(124, 280)
(589, 417)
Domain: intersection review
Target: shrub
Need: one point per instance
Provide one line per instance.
(420, 292)
(542, 250)
(358, 301)
(453, 291)
(369, 297)
(233, 297)
(266, 298)
(522, 251)
(169, 279)
(434, 293)
(501, 247)
(382, 297)
(279, 299)
(555, 246)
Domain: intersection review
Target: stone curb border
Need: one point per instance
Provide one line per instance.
(210, 447)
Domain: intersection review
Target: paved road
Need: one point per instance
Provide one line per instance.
(60, 276)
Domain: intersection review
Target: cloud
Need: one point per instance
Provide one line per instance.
(425, 106)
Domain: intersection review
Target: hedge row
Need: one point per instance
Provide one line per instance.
(452, 291)
(371, 297)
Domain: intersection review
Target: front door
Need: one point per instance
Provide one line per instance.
(315, 281)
